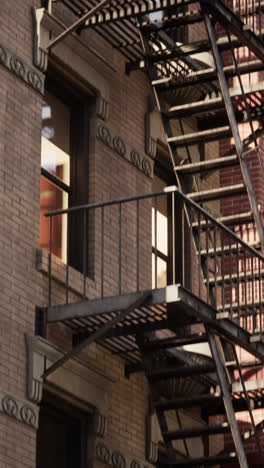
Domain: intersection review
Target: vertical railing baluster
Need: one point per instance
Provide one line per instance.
(259, 297)
(252, 295)
(190, 246)
(173, 239)
(155, 244)
(85, 214)
(259, 17)
(199, 254)
(67, 256)
(137, 245)
(50, 260)
(238, 281)
(102, 252)
(215, 265)
(207, 260)
(183, 242)
(120, 250)
(230, 276)
(253, 14)
(223, 270)
(245, 287)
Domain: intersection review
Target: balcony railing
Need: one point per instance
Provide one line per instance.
(157, 239)
(251, 12)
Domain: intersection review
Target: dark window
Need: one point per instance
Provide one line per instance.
(64, 166)
(62, 435)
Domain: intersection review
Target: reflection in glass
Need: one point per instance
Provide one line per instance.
(53, 198)
(55, 160)
(159, 236)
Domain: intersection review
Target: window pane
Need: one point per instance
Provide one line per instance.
(53, 198)
(56, 138)
(161, 272)
(162, 218)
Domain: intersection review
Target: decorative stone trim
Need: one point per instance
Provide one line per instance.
(72, 55)
(150, 140)
(100, 424)
(18, 409)
(75, 378)
(152, 438)
(110, 457)
(116, 143)
(22, 70)
(102, 108)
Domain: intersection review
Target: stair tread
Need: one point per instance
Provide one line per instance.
(188, 401)
(235, 219)
(180, 371)
(204, 135)
(174, 341)
(197, 431)
(209, 104)
(210, 164)
(234, 277)
(233, 248)
(215, 193)
(181, 18)
(206, 75)
(206, 461)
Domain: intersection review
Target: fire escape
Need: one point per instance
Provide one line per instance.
(214, 291)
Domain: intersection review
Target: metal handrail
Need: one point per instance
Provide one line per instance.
(167, 190)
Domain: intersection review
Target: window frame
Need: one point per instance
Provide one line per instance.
(54, 405)
(82, 106)
(162, 169)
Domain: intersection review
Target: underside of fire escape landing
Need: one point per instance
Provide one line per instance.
(151, 329)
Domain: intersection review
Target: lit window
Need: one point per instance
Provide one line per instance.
(159, 236)
(55, 164)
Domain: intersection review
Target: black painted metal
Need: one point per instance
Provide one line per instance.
(217, 353)
(225, 264)
(100, 333)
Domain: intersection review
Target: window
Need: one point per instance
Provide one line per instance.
(159, 236)
(64, 165)
(55, 171)
(162, 236)
(62, 435)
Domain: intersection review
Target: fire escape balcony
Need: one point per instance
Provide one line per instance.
(209, 276)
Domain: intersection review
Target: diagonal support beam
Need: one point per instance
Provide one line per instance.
(246, 437)
(233, 124)
(226, 17)
(217, 353)
(98, 334)
(77, 23)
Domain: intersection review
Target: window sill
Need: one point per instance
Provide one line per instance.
(75, 281)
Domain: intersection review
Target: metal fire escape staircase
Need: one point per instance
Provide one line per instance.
(218, 109)
(169, 69)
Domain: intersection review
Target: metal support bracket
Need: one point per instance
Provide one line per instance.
(98, 334)
(77, 23)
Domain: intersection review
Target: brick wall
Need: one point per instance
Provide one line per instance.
(19, 204)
